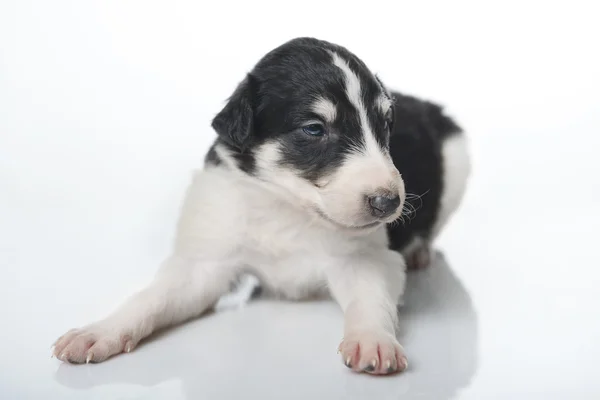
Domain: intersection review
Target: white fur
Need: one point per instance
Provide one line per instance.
(325, 108)
(384, 103)
(224, 155)
(231, 223)
(456, 170)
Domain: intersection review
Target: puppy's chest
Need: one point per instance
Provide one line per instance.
(289, 250)
(278, 230)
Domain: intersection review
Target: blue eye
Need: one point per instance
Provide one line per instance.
(314, 130)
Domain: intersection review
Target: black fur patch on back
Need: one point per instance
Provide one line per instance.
(420, 128)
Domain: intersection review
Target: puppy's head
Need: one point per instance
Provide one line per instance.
(312, 119)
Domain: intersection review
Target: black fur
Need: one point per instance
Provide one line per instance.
(420, 128)
(212, 157)
(235, 123)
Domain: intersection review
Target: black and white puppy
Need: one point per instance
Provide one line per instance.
(305, 187)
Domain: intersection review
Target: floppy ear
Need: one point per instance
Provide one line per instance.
(235, 123)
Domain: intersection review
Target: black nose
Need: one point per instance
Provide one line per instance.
(382, 206)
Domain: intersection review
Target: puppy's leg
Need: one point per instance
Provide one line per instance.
(368, 287)
(183, 288)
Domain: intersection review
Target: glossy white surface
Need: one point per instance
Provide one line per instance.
(105, 109)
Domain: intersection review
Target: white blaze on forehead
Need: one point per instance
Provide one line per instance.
(354, 93)
(325, 108)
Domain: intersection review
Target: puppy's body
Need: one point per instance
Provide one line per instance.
(430, 151)
(303, 188)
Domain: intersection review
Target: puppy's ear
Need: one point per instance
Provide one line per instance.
(235, 122)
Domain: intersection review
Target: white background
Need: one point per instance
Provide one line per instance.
(105, 109)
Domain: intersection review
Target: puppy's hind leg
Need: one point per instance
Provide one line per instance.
(182, 289)
(417, 253)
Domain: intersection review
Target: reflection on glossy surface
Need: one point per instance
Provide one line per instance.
(441, 332)
(263, 348)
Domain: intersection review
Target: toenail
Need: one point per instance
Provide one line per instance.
(404, 363)
(371, 367)
(389, 367)
(348, 362)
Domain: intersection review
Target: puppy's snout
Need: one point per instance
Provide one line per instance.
(383, 205)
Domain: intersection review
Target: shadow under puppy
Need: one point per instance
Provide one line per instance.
(305, 188)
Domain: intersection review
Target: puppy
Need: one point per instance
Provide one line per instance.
(304, 187)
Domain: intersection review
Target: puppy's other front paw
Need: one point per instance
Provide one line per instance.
(373, 352)
(94, 343)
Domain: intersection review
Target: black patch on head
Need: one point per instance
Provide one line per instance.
(275, 100)
(420, 128)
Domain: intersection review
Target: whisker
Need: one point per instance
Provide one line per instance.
(409, 209)
(412, 196)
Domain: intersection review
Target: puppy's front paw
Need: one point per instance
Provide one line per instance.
(373, 352)
(94, 343)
